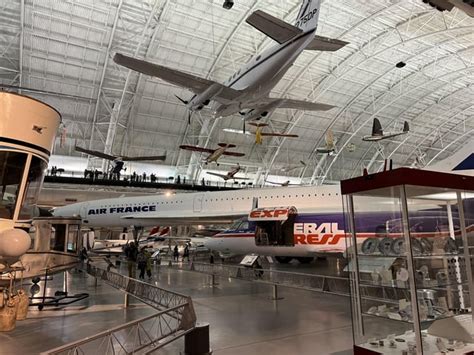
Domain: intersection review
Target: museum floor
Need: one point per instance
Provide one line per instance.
(242, 317)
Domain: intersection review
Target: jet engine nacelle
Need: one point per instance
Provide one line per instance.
(255, 115)
(203, 99)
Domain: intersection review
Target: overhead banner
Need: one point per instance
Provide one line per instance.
(271, 214)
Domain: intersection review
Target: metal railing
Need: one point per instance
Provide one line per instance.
(320, 283)
(143, 336)
(176, 317)
(154, 296)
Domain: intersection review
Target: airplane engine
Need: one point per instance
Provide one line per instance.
(198, 102)
(257, 114)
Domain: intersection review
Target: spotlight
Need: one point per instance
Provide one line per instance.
(228, 4)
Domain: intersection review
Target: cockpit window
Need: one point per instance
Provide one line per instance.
(235, 225)
(244, 225)
(241, 224)
(12, 165)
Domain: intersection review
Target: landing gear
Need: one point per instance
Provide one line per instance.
(283, 259)
(303, 260)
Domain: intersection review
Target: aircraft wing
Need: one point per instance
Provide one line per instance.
(146, 158)
(273, 134)
(95, 153)
(176, 77)
(303, 105)
(274, 103)
(234, 154)
(223, 176)
(197, 149)
(188, 217)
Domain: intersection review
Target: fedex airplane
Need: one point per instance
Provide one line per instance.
(247, 91)
(285, 222)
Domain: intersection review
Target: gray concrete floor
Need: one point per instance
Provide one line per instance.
(243, 319)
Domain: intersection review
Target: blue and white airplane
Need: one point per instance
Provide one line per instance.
(247, 91)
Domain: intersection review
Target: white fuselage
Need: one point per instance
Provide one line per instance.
(214, 157)
(379, 138)
(197, 207)
(260, 75)
(234, 203)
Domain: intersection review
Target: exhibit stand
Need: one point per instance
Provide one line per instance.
(27, 132)
(410, 235)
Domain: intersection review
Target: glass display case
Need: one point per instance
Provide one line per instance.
(410, 236)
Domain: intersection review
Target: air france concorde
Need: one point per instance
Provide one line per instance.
(247, 90)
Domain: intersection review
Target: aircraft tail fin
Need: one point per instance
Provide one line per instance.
(461, 162)
(308, 16)
(377, 128)
(273, 27)
(406, 127)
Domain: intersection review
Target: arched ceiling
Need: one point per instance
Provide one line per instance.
(67, 47)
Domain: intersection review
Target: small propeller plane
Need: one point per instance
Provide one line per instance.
(378, 135)
(259, 134)
(287, 169)
(283, 184)
(330, 147)
(214, 154)
(98, 154)
(230, 175)
(119, 160)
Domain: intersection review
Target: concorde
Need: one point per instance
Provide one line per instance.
(247, 90)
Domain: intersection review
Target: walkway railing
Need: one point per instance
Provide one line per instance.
(320, 283)
(176, 317)
(152, 295)
(142, 336)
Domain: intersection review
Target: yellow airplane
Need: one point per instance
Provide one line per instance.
(259, 134)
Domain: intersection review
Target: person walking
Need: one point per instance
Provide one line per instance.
(176, 253)
(141, 262)
(186, 252)
(131, 252)
(148, 263)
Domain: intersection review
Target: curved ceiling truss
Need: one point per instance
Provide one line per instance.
(67, 47)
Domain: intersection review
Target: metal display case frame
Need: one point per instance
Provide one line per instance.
(410, 245)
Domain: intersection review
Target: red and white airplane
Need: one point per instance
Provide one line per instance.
(214, 154)
(230, 175)
(247, 91)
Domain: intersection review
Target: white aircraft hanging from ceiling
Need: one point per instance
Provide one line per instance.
(282, 184)
(378, 134)
(247, 91)
(230, 175)
(214, 154)
(290, 168)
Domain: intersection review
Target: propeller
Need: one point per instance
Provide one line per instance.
(185, 102)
